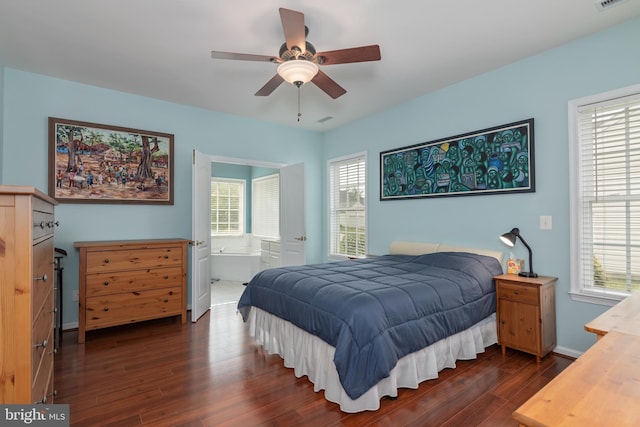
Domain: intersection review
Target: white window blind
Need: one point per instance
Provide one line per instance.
(606, 199)
(227, 207)
(348, 213)
(265, 206)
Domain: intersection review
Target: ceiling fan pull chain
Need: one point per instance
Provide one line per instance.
(299, 113)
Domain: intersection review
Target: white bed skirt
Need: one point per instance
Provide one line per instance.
(309, 355)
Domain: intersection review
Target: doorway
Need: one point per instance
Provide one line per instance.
(292, 222)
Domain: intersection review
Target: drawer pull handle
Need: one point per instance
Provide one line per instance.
(166, 257)
(106, 309)
(517, 292)
(54, 352)
(166, 277)
(43, 278)
(106, 261)
(42, 224)
(43, 344)
(166, 300)
(106, 283)
(54, 393)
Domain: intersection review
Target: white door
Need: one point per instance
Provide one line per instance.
(293, 233)
(201, 235)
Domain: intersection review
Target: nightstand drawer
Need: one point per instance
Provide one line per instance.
(519, 293)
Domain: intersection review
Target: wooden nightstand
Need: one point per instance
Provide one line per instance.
(526, 313)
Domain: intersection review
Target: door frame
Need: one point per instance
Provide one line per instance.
(231, 160)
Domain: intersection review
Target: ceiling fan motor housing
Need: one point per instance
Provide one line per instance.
(296, 53)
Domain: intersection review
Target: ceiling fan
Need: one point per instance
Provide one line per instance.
(299, 61)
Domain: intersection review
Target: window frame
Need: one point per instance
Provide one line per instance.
(255, 214)
(331, 164)
(242, 206)
(578, 290)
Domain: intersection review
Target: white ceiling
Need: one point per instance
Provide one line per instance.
(161, 48)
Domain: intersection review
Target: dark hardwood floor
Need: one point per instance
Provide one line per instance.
(163, 373)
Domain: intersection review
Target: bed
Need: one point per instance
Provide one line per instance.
(362, 329)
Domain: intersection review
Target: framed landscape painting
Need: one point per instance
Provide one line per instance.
(496, 160)
(94, 163)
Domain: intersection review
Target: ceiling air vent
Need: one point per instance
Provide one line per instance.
(607, 4)
(325, 119)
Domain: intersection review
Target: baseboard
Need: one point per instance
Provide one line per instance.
(70, 325)
(569, 352)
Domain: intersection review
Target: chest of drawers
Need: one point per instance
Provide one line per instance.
(26, 295)
(128, 281)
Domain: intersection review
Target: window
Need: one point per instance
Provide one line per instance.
(265, 206)
(605, 196)
(348, 207)
(227, 207)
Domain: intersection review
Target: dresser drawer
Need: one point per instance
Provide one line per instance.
(129, 307)
(42, 273)
(519, 293)
(117, 260)
(137, 280)
(42, 340)
(43, 224)
(42, 386)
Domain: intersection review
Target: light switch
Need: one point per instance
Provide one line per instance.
(545, 222)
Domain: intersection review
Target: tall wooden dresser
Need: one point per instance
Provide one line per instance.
(127, 281)
(26, 295)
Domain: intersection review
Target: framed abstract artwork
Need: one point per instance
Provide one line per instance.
(94, 163)
(489, 161)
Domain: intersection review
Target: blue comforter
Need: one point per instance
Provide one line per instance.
(374, 311)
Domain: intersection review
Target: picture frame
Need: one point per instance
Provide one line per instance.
(96, 163)
(496, 160)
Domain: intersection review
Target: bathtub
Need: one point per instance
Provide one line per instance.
(239, 267)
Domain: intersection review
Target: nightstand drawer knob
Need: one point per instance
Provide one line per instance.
(106, 309)
(106, 283)
(43, 278)
(43, 344)
(106, 261)
(517, 292)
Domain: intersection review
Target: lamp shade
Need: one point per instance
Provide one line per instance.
(509, 238)
(297, 70)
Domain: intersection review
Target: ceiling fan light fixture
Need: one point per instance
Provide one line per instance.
(297, 70)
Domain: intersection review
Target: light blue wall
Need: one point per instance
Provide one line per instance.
(537, 87)
(247, 173)
(30, 99)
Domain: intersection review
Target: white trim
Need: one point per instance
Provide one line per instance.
(569, 352)
(242, 205)
(608, 300)
(577, 292)
(365, 156)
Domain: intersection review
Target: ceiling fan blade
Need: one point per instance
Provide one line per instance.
(270, 86)
(354, 54)
(328, 85)
(293, 27)
(243, 56)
